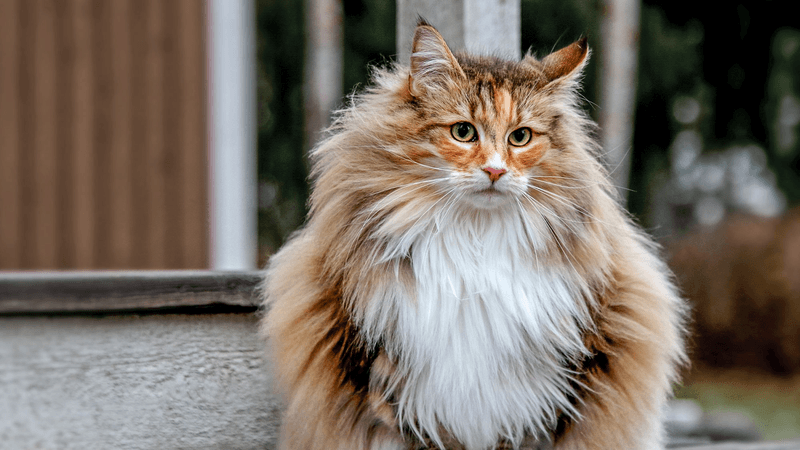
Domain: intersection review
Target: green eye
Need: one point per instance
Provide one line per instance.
(520, 137)
(464, 132)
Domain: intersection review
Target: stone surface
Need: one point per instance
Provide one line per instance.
(135, 382)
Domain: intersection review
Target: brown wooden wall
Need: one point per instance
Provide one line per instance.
(103, 141)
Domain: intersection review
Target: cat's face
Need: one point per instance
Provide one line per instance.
(490, 145)
(489, 126)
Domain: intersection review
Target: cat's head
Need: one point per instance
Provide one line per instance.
(456, 134)
(491, 126)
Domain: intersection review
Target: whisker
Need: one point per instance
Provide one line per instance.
(562, 186)
(567, 223)
(529, 228)
(564, 250)
(376, 208)
(566, 202)
(455, 200)
(407, 158)
(621, 160)
(447, 195)
(583, 182)
(563, 200)
(402, 191)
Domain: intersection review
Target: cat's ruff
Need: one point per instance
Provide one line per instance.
(482, 340)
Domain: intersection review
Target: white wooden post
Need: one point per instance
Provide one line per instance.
(620, 34)
(324, 65)
(479, 26)
(232, 128)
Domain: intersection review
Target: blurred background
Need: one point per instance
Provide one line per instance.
(108, 134)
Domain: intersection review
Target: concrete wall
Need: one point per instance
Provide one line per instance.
(135, 382)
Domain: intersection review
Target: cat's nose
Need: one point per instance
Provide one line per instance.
(494, 174)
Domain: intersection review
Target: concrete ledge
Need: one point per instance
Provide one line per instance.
(124, 291)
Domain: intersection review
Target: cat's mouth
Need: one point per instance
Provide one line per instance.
(489, 197)
(490, 192)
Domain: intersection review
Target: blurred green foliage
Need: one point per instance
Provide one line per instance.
(669, 65)
(369, 39)
(740, 62)
(783, 110)
(281, 159)
(549, 26)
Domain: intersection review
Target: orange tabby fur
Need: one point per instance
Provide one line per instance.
(403, 218)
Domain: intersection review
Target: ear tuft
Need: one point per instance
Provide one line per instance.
(431, 59)
(567, 61)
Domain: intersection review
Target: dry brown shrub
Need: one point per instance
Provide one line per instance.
(743, 281)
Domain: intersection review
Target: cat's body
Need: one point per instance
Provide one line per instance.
(466, 278)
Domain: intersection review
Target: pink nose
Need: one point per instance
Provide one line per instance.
(494, 174)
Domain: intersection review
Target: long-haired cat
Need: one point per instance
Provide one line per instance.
(466, 278)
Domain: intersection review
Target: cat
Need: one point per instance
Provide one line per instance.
(466, 278)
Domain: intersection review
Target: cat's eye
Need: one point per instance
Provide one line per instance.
(520, 137)
(464, 132)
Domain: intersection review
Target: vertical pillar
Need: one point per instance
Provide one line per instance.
(478, 26)
(232, 127)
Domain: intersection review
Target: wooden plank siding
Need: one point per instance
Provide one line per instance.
(103, 134)
(10, 197)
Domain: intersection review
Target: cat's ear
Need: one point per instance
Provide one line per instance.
(432, 62)
(567, 62)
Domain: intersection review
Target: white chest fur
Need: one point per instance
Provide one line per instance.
(480, 348)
